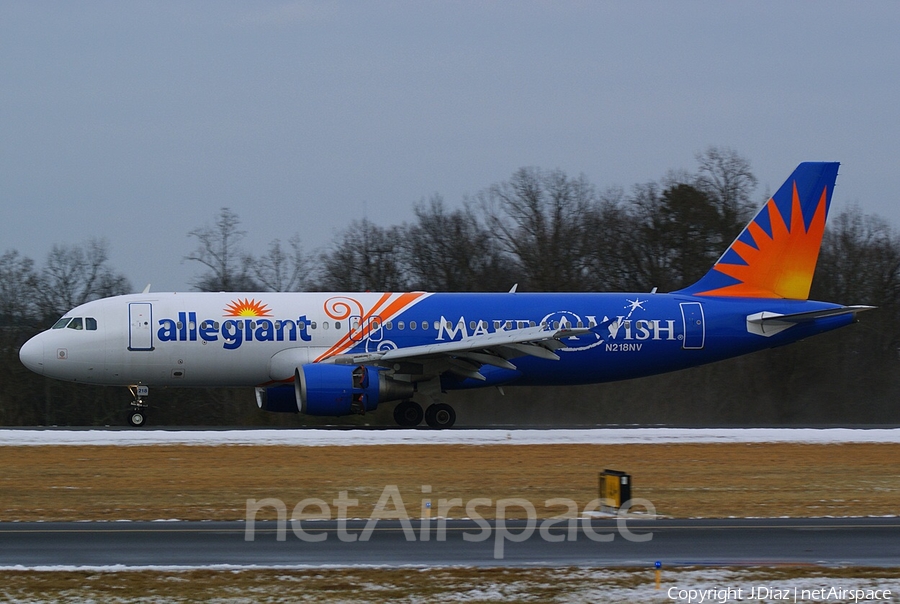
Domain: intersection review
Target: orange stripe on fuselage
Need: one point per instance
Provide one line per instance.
(398, 304)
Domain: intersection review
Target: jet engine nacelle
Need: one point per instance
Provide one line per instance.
(333, 390)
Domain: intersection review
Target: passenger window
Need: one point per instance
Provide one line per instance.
(496, 325)
(301, 325)
(62, 323)
(76, 323)
(312, 325)
(471, 324)
(324, 324)
(337, 324)
(389, 325)
(412, 324)
(90, 324)
(401, 325)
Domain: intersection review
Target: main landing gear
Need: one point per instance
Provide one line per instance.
(137, 412)
(438, 415)
(408, 414)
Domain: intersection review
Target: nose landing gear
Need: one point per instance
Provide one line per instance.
(137, 412)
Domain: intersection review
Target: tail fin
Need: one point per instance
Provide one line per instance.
(775, 255)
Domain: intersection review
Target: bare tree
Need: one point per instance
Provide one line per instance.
(281, 270)
(366, 257)
(451, 251)
(218, 249)
(75, 274)
(611, 246)
(728, 180)
(541, 220)
(860, 263)
(651, 256)
(17, 290)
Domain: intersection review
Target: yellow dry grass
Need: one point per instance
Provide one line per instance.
(214, 482)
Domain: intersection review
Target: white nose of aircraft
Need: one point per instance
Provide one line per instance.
(32, 354)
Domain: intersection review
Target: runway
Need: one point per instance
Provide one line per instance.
(598, 543)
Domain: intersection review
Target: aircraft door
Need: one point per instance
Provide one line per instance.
(140, 326)
(694, 326)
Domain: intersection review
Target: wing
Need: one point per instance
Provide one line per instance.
(465, 357)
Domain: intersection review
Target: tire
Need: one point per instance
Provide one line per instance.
(136, 419)
(408, 414)
(440, 416)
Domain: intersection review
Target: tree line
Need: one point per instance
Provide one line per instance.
(541, 228)
(545, 231)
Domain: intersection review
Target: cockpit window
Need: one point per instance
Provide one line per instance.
(88, 323)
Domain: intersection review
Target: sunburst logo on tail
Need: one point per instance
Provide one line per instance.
(775, 256)
(247, 308)
(782, 263)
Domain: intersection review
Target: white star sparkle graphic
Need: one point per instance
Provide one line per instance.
(635, 304)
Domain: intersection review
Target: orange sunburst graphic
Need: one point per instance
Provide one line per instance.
(246, 308)
(781, 265)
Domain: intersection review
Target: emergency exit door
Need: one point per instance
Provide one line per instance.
(365, 328)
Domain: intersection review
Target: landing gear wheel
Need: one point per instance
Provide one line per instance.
(440, 416)
(137, 418)
(137, 412)
(408, 414)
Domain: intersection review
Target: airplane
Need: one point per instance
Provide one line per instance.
(337, 354)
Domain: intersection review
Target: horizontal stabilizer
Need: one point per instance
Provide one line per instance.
(769, 323)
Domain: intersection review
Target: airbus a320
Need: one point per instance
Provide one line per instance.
(336, 354)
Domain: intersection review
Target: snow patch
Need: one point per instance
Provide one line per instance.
(321, 438)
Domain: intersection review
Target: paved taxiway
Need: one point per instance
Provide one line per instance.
(843, 541)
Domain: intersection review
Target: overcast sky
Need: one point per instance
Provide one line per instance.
(136, 121)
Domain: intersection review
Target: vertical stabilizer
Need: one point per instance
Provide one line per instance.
(775, 255)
